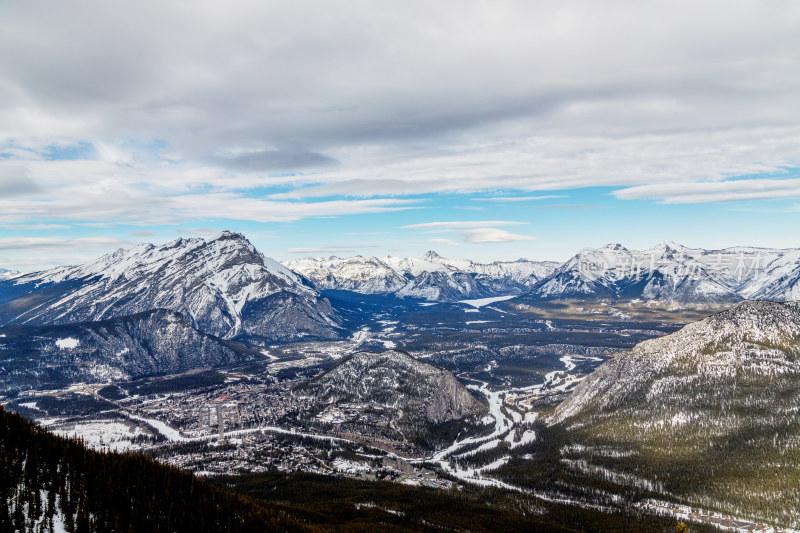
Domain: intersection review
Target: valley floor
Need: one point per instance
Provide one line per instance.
(249, 419)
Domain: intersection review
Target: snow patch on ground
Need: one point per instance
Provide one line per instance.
(480, 302)
(266, 352)
(67, 344)
(351, 467)
(102, 435)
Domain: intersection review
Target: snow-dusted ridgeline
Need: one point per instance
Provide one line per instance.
(222, 286)
(430, 277)
(670, 271)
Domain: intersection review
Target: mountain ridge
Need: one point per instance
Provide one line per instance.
(667, 271)
(707, 414)
(153, 342)
(222, 286)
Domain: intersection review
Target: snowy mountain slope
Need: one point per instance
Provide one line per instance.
(670, 271)
(708, 413)
(144, 344)
(222, 286)
(367, 275)
(7, 274)
(779, 279)
(430, 277)
(395, 380)
(758, 338)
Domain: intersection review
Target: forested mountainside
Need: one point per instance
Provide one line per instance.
(420, 402)
(47, 483)
(395, 379)
(707, 414)
(221, 286)
(144, 344)
(51, 482)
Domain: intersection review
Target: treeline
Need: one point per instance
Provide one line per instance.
(47, 480)
(347, 504)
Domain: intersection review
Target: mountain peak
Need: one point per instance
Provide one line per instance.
(229, 235)
(415, 392)
(615, 246)
(222, 286)
(431, 256)
(669, 246)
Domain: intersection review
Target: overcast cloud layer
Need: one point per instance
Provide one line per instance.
(164, 112)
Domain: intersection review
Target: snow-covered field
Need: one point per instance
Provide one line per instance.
(102, 434)
(480, 302)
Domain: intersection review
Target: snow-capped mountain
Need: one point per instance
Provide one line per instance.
(367, 275)
(669, 271)
(7, 274)
(430, 277)
(708, 413)
(222, 286)
(144, 344)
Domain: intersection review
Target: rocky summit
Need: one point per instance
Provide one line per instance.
(221, 286)
(395, 379)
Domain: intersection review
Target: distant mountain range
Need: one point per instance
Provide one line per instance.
(430, 277)
(221, 286)
(668, 271)
(224, 287)
(5, 274)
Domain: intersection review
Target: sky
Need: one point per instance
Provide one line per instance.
(488, 130)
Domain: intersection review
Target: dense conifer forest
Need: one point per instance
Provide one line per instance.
(47, 480)
(49, 483)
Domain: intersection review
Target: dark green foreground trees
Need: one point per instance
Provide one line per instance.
(45, 478)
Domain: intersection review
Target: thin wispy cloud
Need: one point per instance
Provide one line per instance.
(719, 191)
(447, 242)
(519, 198)
(49, 244)
(492, 235)
(463, 224)
(200, 232)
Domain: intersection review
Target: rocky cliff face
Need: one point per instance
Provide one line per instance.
(395, 380)
(222, 286)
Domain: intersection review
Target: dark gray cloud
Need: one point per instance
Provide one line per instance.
(266, 160)
(360, 99)
(16, 181)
